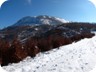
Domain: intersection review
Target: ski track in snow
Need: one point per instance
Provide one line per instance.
(75, 57)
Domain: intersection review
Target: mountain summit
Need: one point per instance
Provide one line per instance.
(42, 19)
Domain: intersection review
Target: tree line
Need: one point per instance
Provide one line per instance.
(15, 51)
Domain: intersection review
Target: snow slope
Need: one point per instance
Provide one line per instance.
(94, 69)
(76, 57)
(2, 70)
(42, 19)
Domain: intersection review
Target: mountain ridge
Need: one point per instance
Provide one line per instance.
(41, 19)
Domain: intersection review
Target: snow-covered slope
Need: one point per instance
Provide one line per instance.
(76, 57)
(2, 70)
(94, 69)
(42, 19)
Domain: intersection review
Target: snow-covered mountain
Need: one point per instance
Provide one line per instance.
(76, 57)
(65, 29)
(42, 19)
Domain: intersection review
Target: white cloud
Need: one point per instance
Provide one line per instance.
(1, 2)
(29, 1)
(93, 2)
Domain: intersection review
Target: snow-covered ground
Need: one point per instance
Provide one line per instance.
(76, 57)
(94, 69)
(2, 70)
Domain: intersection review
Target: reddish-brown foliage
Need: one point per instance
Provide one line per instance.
(31, 47)
(16, 51)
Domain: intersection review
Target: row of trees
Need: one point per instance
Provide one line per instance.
(15, 51)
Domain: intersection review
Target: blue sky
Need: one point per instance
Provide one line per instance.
(71, 10)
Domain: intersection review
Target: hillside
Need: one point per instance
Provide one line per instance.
(65, 29)
(76, 57)
(18, 42)
(42, 38)
(44, 26)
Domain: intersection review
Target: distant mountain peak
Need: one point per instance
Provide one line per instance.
(41, 19)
